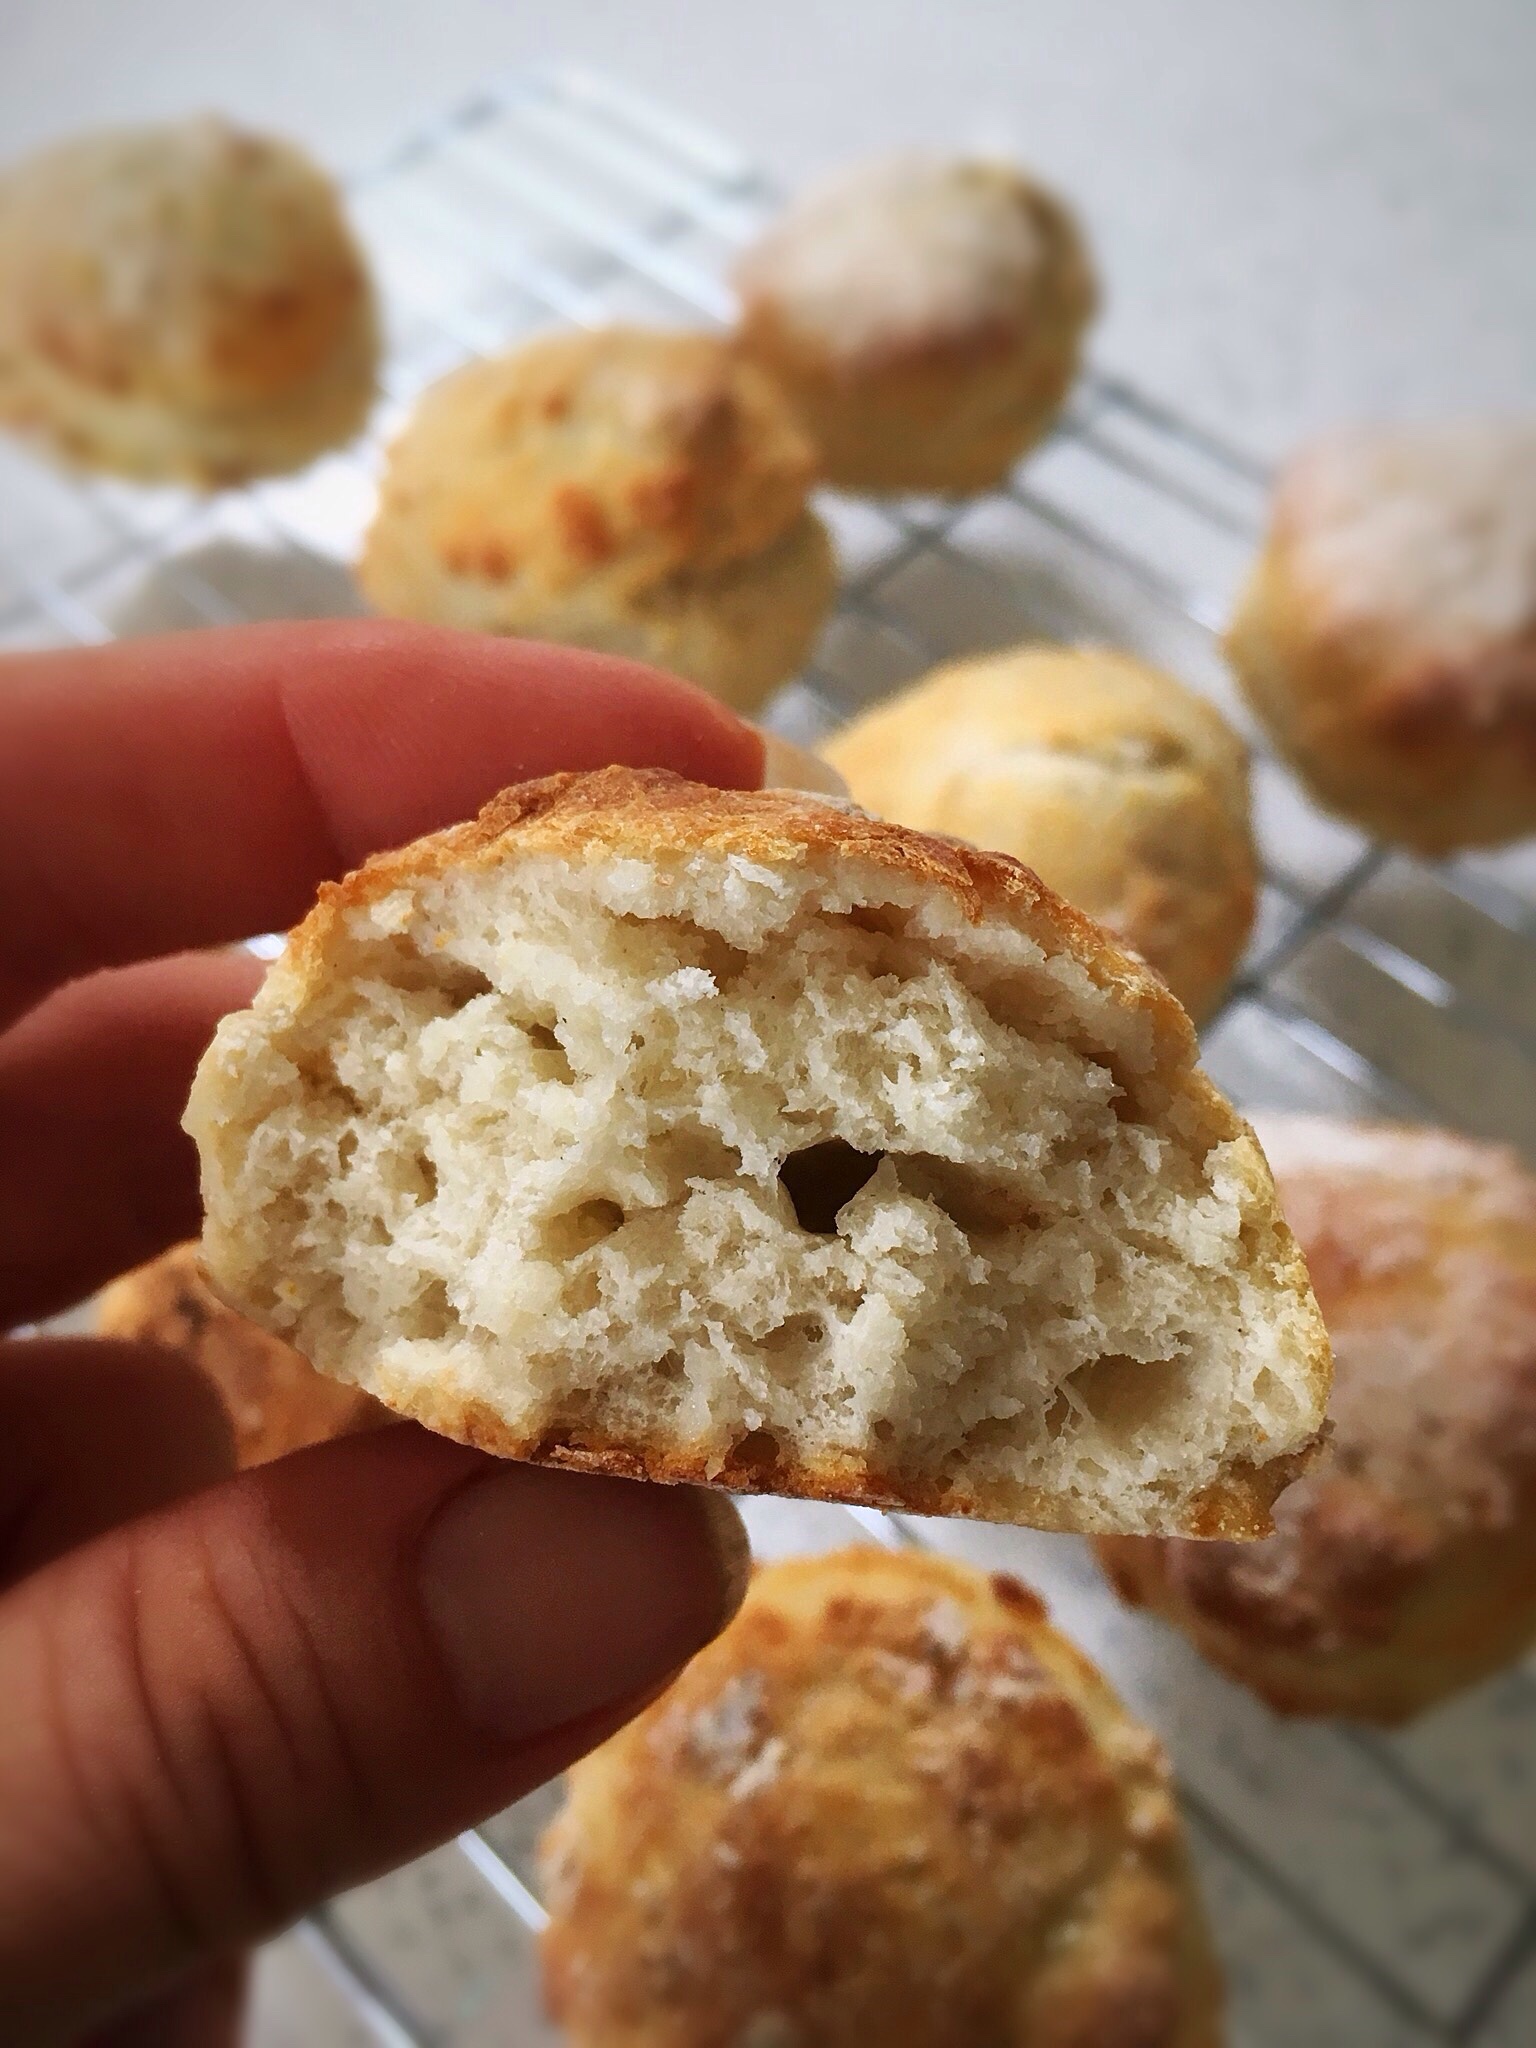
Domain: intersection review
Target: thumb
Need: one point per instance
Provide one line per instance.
(218, 1714)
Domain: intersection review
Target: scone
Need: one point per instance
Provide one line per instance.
(1387, 636)
(926, 315)
(1119, 787)
(183, 303)
(703, 1135)
(275, 1399)
(1403, 1565)
(641, 493)
(889, 1808)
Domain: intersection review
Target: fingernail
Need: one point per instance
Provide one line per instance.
(787, 766)
(550, 1594)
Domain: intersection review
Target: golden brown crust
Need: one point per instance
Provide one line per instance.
(1127, 792)
(889, 1805)
(1386, 637)
(925, 316)
(1403, 1565)
(275, 1399)
(646, 811)
(185, 301)
(643, 493)
(1238, 1507)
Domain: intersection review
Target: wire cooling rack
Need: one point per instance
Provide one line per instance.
(1366, 1890)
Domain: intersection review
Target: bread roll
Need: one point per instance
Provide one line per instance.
(182, 303)
(275, 1399)
(1387, 636)
(890, 1805)
(1124, 791)
(926, 315)
(1403, 1564)
(700, 1135)
(640, 493)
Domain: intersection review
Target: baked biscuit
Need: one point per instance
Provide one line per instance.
(890, 1805)
(1124, 791)
(183, 303)
(1387, 636)
(640, 493)
(275, 1399)
(700, 1135)
(926, 315)
(1403, 1564)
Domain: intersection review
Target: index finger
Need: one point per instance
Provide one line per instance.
(172, 793)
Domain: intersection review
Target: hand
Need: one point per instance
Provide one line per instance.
(222, 1698)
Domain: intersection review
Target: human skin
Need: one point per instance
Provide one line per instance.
(228, 1696)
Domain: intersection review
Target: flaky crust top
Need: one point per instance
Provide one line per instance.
(622, 454)
(1422, 1250)
(1423, 537)
(1387, 634)
(914, 255)
(194, 264)
(891, 1804)
(646, 812)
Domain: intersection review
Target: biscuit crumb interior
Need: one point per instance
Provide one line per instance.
(760, 1162)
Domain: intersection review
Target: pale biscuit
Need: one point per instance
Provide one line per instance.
(1387, 635)
(1403, 1564)
(926, 315)
(183, 303)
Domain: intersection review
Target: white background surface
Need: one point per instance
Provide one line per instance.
(1303, 210)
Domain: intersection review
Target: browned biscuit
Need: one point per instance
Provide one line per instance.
(275, 1399)
(636, 492)
(1387, 636)
(889, 1805)
(1119, 787)
(1403, 1564)
(698, 1134)
(182, 303)
(926, 316)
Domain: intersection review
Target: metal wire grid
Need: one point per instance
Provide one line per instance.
(1366, 1889)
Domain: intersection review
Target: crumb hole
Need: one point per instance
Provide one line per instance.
(993, 1432)
(882, 1430)
(1057, 1416)
(463, 987)
(823, 1179)
(669, 1367)
(795, 1333)
(978, 1204)
(756, 1456)
(581, 1293)
(568, 1236)
(727, 963)
(1125, 1394)
(892, 954)
(429, 1315)
(888, 919)
(556, 1064)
